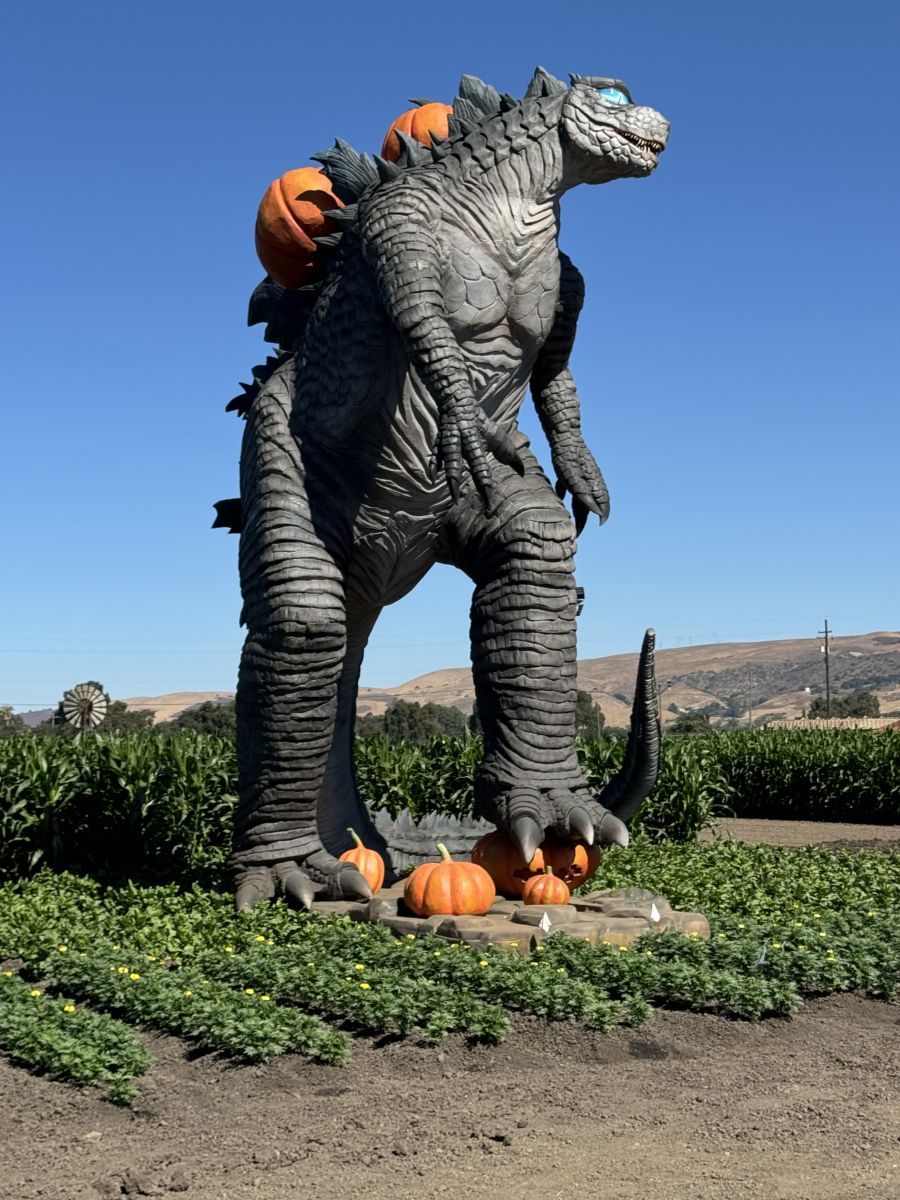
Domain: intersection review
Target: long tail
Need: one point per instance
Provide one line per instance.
(626, 791)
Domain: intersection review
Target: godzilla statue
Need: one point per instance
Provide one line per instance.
(383, 439)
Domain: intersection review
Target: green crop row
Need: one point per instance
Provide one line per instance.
(151, 807)
(785, 924)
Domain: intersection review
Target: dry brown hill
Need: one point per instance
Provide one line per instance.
(778, 678)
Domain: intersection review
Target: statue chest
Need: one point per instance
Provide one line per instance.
(501, 286)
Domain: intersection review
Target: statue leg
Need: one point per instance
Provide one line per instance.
(340, 805)
(287, 697)
(520, 557)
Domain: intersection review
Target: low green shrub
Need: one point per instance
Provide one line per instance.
(49, 1032)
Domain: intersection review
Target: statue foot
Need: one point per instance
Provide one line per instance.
(300, 882)
(529, 814)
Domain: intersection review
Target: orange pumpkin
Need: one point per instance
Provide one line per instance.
(369, 862)
(418, 123)
(545, 889)
(455, 888)
(290, 216)
(500, 857)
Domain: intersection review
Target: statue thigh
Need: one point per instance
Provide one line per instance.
(520, 557)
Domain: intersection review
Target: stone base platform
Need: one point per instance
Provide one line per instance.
(615, 916)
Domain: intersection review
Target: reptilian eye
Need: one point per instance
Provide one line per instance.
(613, 96)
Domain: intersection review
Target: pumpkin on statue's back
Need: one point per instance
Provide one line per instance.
(419, 123)
(290, 216)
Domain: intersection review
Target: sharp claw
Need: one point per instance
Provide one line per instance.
(249, 894)
(527, 835)
(299, 887)
(612, 830)
(581, 823)
(561, 489)
(580, 513)
(354, 884)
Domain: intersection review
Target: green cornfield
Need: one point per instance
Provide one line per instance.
(146, 806)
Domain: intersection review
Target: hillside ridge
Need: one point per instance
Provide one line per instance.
(722, 678)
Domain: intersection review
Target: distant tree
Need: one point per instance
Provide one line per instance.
(368, 725)
(11, 724)
(122, 719)
(474, 721)
(409, 721)
(860, 704)
(206, 718)
(589, 718)
(689, 723)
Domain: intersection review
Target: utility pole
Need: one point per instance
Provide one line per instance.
(828, 634)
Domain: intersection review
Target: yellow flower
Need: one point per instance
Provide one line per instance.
(649, 953)
(801, 947)
(188, 993)
(260, 938)
(776, 945)
(229, 949)
(7, 972)
(822, 933)
(112, 968)
(134, 975)
(115, 947)
(437, 954)
(360, 967)
(35, 992)
(560, 970)
(123, 970)
(623, 947)
(270, 942)
(870, 914)
(411, 937)
(817, 914)
(796, 906)
(364, 986)
(69, 1008)
(265, 997)
(151, 957)
(398, 943)
(310, 964)
(483, 962)
(63, 949)
(798, 924)
(721, 935)
(249, 991)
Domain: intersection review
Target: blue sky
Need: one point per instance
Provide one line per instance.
(736, 357)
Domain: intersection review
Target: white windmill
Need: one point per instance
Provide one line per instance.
(85, 706)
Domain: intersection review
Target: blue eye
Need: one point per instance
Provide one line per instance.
(613, 96)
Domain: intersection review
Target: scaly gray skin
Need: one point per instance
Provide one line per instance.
(388, 442)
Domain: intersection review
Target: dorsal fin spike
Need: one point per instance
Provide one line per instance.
(543, 84)
(483, 98)
(420, 101)
(386, 170)
(412, 153)
(350, 173)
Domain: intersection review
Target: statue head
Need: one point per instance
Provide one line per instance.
(606, 135)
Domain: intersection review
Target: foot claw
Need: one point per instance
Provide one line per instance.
(612, 830)
(527, 835)
(354, 884)
(299, 887)
(581, 824)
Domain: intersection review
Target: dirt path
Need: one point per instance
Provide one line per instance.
(833, 834)
(692, 1107)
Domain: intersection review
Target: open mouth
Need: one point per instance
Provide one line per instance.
(641, 143)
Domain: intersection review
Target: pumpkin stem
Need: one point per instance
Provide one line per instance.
(548, 870)
(445, 853)
(355, 837)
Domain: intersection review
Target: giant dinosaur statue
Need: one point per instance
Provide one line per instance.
(384, 440)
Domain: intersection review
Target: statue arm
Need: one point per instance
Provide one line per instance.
(559, 409)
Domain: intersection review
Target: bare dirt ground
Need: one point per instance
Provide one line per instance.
(691, 1106)
(832, 835)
